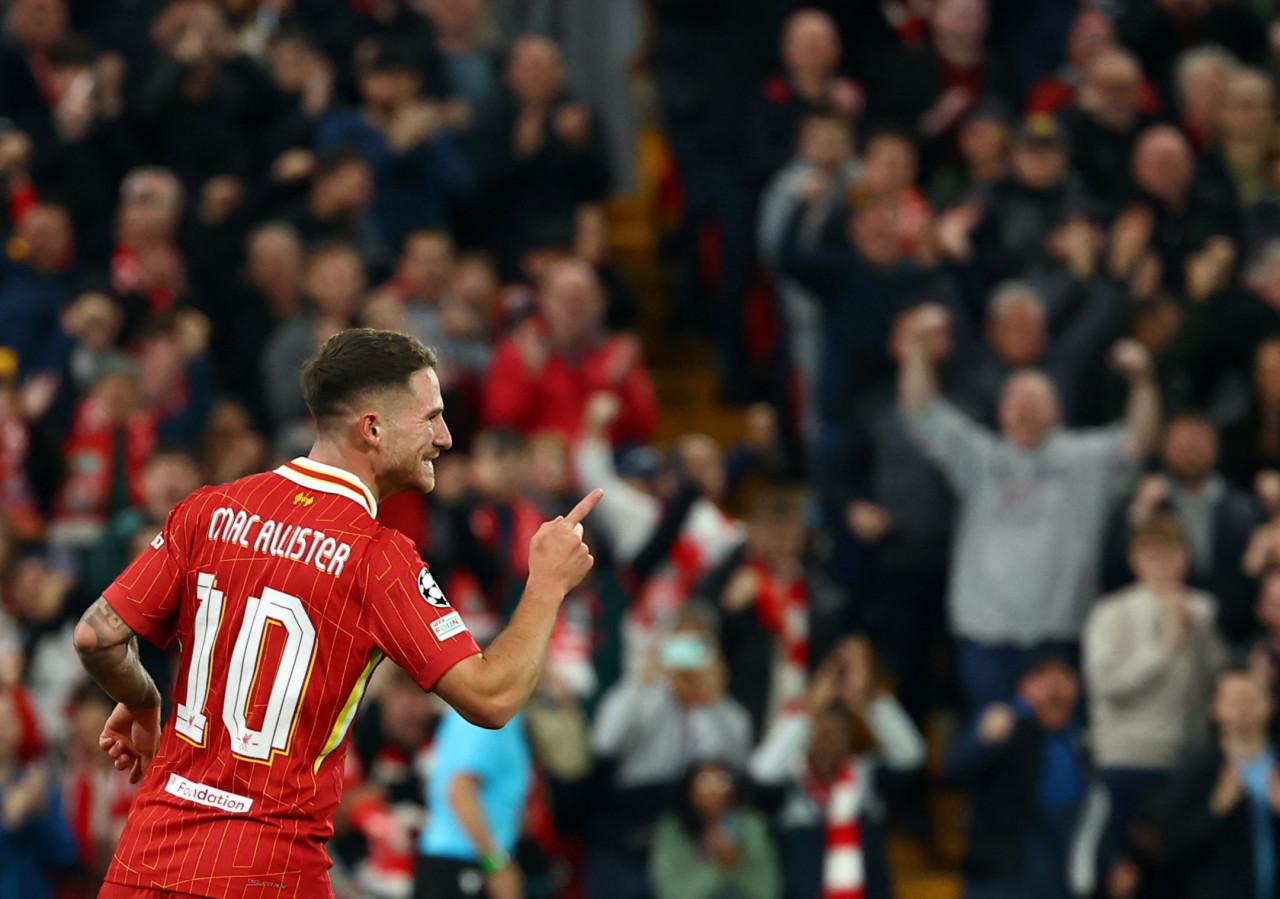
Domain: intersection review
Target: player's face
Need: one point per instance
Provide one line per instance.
(416, 435)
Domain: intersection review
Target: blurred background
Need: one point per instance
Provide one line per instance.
(928, 352)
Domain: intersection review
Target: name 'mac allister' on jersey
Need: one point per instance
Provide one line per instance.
(284, 593)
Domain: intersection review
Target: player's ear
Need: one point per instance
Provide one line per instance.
(371, 426)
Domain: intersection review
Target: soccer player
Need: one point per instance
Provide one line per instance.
(285, 593)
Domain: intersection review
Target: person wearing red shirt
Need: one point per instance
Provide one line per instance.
(543, 374)
(285, 594)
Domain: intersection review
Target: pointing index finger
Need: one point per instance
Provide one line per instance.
(583, 508)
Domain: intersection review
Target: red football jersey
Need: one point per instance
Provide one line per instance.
(285, 593)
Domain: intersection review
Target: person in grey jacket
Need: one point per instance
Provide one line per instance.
(1031, 502)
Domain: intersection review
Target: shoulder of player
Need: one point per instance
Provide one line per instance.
(392, 545)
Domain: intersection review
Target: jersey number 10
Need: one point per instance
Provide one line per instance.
(286, 689)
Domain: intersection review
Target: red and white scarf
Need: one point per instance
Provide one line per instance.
(783, 610)
(844, 867)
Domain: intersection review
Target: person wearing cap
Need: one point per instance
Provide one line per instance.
(1151, 654)
(649, 729)
(420, 173)
(1020, 212)
(1027, 775)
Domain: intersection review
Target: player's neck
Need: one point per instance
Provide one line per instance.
(354, 463)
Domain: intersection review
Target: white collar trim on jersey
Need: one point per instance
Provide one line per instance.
(351, 487)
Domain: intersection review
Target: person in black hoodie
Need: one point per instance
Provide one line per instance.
(1217, 823)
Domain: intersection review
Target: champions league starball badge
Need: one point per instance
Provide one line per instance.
(430, 590)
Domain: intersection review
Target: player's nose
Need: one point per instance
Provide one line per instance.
(442, 438)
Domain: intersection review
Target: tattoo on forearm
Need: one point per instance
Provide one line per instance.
(107, 625)
(113, 661)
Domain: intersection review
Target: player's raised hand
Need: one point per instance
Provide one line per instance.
(558, 557)
(130, 737)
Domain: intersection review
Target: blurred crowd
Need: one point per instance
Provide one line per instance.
(996, 282)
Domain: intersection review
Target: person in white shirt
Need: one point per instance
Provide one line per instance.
(1151, 654)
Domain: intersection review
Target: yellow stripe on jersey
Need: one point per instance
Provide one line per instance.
(348, 713)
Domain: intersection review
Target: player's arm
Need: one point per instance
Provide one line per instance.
(108, 650)
(464, 799)
(488, 689)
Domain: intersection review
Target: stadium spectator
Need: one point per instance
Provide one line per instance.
(1103, 125)
(890, 167)
(1018, 329)
(1199, 90)
(1091, 35)
(824, 153)
(467, 40)
(927, 89)
(1264, 655)
(306, 77)
(1158, 30)
(862, 279)
(97, 798)
(147, 267)
(206, 110)
(1012, 238)
(36, 273)
(664, 536)
(563, 357)
(111, 436)
(45, 618)
(1024, 567)
(779, 611)
(420, 173)
(268, 291)
(337, 205)
(539, 154)
(335, 282)
(811, 84)
(898, 506)
(984, 140)
(1027, 777)
(168, 477)
(825, 764)
(1187, 211)
(1217, 820)
(649, 729)
(35, 837)
(713, 845)
(1246, 137)
(1217, 519)
(1151, 654)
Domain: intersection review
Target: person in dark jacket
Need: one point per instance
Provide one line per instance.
(779, 611)
(1219, 820)
(1218, 518)
(1027, 777)
(540, 155)
(862, 280)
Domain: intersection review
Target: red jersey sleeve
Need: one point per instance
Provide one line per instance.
(147, 593)
(406, 614)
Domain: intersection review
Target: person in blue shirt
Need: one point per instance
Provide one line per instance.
(35, 835)
(476, 795)
(420, 173)
(1024, 766)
